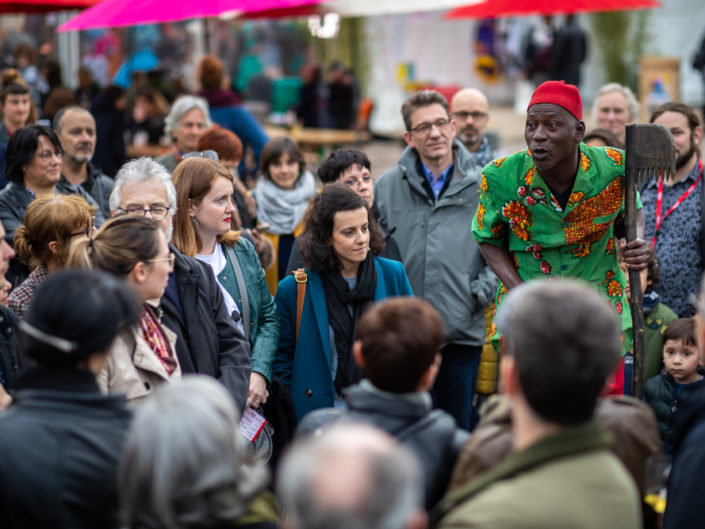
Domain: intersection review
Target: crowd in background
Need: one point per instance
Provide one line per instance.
(184, 298)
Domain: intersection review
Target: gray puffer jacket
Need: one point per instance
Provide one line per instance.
(432, 435)
(442, 259)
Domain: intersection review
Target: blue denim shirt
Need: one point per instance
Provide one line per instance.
(437, 184)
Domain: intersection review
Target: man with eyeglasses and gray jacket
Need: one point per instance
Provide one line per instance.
(428, 199)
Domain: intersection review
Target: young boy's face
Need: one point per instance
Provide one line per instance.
(681, 361)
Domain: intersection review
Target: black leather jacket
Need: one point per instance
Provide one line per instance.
(208, 341)
(60, 443)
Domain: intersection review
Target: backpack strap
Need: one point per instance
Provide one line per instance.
(301, 280)
(242, 288)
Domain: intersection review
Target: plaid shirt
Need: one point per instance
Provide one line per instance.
(23, 294)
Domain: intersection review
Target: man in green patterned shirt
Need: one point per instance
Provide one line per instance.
(550, 210)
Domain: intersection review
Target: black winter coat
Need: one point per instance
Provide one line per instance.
(208, 341)
(432, 435)
(60, 443)
(685, 480)
(11, 360)
(658, 392)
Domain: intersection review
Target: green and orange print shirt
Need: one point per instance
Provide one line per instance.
(517, 211)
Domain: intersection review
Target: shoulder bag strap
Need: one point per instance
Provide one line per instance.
(242, 287)
(301, 280)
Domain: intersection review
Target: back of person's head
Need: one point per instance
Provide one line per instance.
(60, 97)
(142, 170)
(682, 329)
(210, 72)
(75, 314)
(604, 136)
(680, 108)
(315, 241)
(182, 106)
(185, 462)
(193, 179)
(118, 246)
(351, 477)
(225, 143)
(55, 218)
(565, 341)
(24, 50)
(275, 148)
(400, 338)
(423, 98)
(23, 143)
(339, 161)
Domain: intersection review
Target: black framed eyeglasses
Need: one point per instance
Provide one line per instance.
(476, 116)
(87, 232)
(157, 211)
(424, 129)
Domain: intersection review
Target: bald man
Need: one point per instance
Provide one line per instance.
(351, 476)
(470, 110)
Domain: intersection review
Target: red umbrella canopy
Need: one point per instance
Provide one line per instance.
(507, 8)
(114, 13)
(43, 6)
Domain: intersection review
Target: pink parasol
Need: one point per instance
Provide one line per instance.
(43, 6)
(114, 13)
(507, 8)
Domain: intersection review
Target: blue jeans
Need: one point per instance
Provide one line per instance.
(455, 385)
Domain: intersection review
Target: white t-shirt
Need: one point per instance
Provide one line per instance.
(217, 262)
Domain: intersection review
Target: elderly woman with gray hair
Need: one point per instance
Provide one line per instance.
(185, 464)
(183, 125)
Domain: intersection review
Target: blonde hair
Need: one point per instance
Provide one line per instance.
(193, 179)
(118, 246)
(51, 219)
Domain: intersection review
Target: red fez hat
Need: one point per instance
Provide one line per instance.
(561, 94)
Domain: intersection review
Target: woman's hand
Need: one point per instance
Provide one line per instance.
(258, 390)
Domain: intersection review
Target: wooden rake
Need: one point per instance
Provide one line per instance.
(650, 152)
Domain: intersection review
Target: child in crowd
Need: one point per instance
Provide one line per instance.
(680, 376)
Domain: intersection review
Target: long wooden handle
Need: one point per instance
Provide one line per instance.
(636, 295)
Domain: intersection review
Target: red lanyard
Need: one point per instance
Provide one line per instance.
(659, 202)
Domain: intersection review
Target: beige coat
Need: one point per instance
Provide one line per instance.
(132, 367)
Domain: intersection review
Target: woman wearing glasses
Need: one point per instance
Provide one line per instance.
(43, 241)
(203, 228)
(33, 165)
(343, 279)
(283, 192)
(135, 250)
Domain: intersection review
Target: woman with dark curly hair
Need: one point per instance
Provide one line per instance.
(343, 278)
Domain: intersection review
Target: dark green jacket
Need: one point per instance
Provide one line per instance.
(264, 321)
(569, 479)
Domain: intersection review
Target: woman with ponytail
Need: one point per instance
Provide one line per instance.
(135, 250)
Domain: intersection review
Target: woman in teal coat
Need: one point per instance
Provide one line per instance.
(343, 279)
(203, 228)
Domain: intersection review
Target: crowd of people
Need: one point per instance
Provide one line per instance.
(182, 345)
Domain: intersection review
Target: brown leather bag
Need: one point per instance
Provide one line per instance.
(301, 280)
